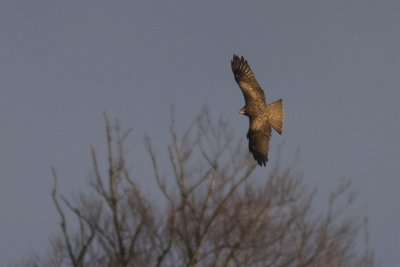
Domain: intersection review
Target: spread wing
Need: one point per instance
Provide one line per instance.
(259, 134)
(246, 80)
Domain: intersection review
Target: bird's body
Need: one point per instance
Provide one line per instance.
(262, 116)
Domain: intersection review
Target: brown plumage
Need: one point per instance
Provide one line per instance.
(262, 116)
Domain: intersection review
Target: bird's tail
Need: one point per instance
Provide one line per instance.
(276, 115)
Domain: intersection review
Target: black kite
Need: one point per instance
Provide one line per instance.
(262, 116)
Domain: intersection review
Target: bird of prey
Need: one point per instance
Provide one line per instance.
(262, 116)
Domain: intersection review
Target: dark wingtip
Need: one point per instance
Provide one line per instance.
(261, 159)
(238, 58)
(239, 61)
(238, 65)
(262, 162)
(235, 59)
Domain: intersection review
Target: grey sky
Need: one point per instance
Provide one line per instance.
(336, 64)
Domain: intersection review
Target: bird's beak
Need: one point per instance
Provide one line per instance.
(241, 111)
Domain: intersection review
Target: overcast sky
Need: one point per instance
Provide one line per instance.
(336, 65)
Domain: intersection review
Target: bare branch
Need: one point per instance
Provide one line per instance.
(216, 211)
(63, 221)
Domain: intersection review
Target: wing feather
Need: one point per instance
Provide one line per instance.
(259, 134)
(246, 80)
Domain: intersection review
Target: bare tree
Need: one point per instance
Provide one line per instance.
(215, 213)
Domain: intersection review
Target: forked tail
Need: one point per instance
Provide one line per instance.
(276, 115)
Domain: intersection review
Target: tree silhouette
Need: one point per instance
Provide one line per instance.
(215, 211)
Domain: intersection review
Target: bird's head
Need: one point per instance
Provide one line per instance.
(243, 111)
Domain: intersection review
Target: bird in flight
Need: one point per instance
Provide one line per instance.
(262, 116)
